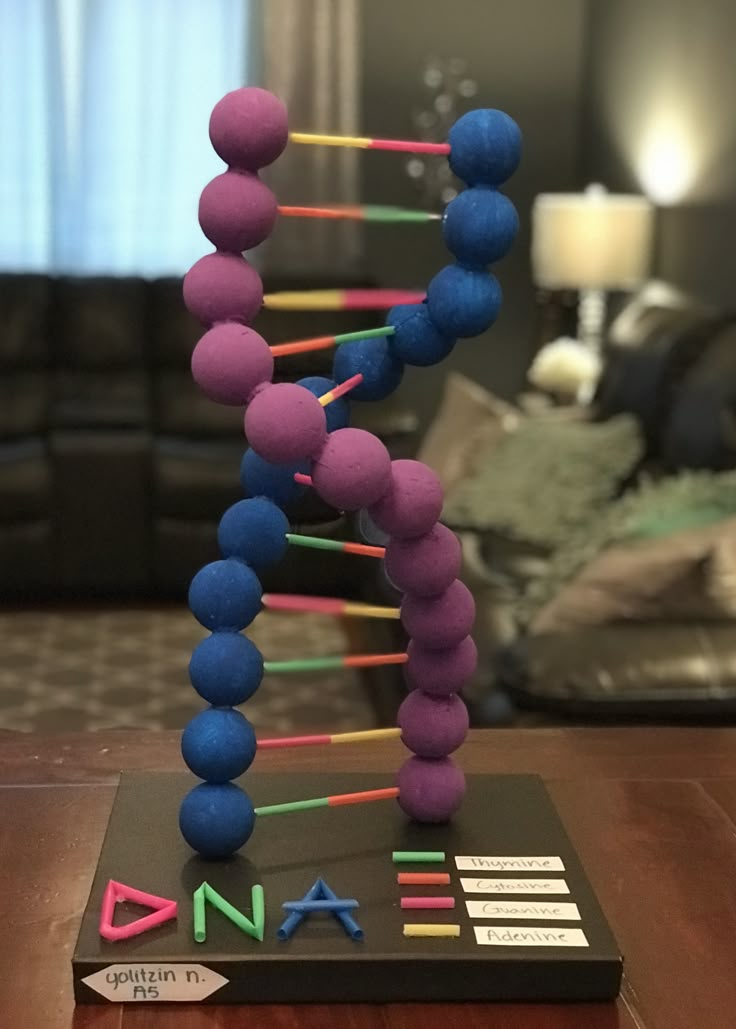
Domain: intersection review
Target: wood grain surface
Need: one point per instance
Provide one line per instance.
(652, 813)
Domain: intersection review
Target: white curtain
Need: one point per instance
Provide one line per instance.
(104, 107)
(311, 61)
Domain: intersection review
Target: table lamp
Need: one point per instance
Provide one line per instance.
(592, 242)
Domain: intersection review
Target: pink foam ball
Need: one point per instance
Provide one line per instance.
(441, 621)
(230, 361)
(223, 288)
(249, 128)
(352, 470)
(425, 565)
(433, 726)
(413, 502)
(285, 423)
(430, 790)
(236, 211)
(440, 672)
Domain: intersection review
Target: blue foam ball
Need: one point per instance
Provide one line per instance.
(219, 744)
(260, 478)
(382, 371)
(338, 412)
(485, 147)
(216, 819)
(417, 340)
(463, 301)
(225, 595)
(479, 225)
(254, 530)
(226, 669)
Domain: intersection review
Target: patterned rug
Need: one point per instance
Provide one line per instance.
(85, 669)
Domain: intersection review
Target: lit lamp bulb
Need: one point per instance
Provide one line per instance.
(666, 165)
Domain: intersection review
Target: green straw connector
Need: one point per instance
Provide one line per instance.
(304, 664)
(419, 856)
(258, 902)
(206, 894)
(381, 213)
(350, 337)
(314, 542)
(200, 919)
(294, 805)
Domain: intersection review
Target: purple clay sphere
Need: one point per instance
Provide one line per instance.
(413, 502)
(285, 423)
(440, 672)
(236, 211)
(249, 128)
(442, 621)
(223, 288)
(229, 362)
(433, 726)
(426, 565)
(352, 470)
(430, 790)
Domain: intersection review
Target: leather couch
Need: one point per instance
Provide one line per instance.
(114, 468)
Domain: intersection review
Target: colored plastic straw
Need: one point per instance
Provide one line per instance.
(289, 924)
(349, 924)
(361, 212)
(336, 800)
(423, 878)
(341, 737)
(431, 929)
(326, 606)
(303, 346)
(407, 146)
(424, 856)
(427, 903)
(305, 906)
(322, 664)
(345, 547)
(341, 299)
(341, 389)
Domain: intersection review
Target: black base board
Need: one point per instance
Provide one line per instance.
(351, 848)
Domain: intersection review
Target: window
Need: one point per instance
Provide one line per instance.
(104, 108)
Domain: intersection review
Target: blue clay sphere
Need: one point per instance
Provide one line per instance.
(216, 819)
(254, 530)
(479, 226)
(261, 478)
(338, 412)
(463, 301)
(226, 669)
(225, 595)
(417, 341)
(485, 147)
(219, 744)
(382, 370)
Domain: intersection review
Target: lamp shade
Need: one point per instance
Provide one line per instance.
(591, 240)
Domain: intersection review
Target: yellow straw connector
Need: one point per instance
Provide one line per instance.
(371, 610)
(363, 142)
(305, 300)
(365, 735)
(430, 929)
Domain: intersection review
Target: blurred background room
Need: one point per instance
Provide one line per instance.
(586, 442)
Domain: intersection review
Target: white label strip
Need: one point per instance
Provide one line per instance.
(509, 864)
(514, 885)
(533, 910)
(513, 936)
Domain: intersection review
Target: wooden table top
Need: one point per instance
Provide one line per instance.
(651, 811)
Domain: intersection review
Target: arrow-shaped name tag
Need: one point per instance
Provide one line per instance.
(152, 982)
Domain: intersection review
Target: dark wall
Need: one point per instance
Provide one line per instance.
(527, 58)
(660, 89)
